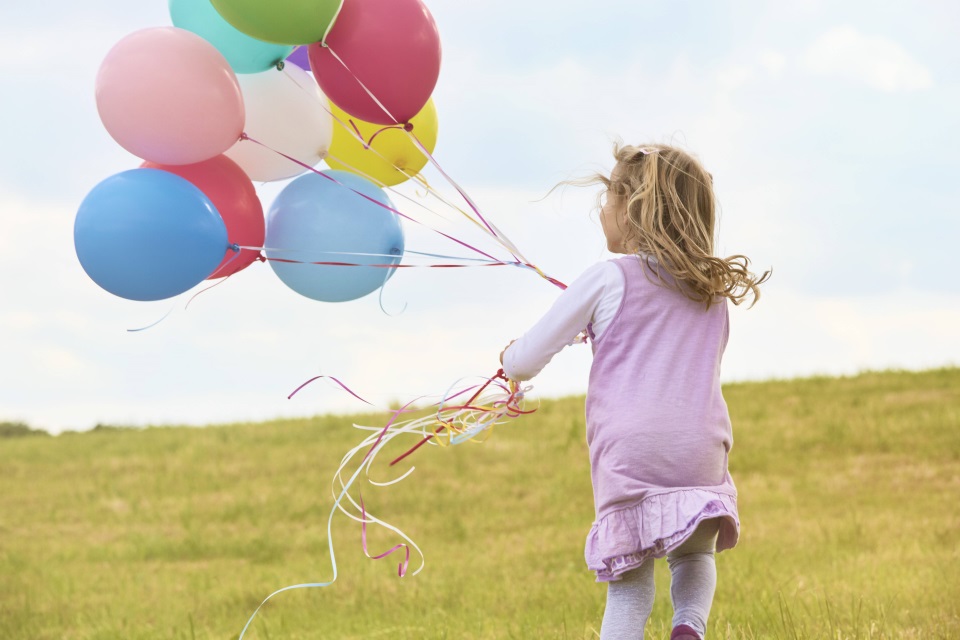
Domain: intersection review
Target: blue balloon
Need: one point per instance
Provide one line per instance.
(245, 54)
(146, 234)
(315, 219)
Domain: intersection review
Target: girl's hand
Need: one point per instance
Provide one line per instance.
(504, 351)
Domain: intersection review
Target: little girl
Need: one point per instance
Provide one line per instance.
(657, 425)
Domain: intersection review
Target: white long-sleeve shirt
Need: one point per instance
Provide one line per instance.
(592, 299)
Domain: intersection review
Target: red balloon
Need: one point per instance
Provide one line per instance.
(392, 47)
(232, 193)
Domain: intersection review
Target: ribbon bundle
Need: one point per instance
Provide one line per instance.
(463, 414)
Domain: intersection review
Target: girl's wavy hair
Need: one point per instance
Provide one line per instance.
(670, 216)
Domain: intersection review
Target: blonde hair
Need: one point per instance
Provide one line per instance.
(670, 217)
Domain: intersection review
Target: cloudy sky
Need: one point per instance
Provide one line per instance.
(829, 128)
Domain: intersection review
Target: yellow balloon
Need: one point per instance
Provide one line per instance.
(392, 157)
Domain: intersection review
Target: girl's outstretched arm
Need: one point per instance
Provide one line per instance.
(588, 299)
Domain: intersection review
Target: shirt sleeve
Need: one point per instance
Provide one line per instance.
(566, 319)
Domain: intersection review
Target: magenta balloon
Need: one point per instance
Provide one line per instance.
(167, 95)
(390, 46)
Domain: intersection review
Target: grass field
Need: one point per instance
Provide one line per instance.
(849, 500)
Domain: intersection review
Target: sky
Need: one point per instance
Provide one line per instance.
(829, 128)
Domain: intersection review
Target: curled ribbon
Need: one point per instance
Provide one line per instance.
(491, 403)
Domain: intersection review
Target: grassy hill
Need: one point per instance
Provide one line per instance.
(849, 497)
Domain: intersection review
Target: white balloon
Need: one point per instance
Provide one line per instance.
(287, 112)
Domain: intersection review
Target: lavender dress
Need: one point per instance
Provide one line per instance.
(657, 425)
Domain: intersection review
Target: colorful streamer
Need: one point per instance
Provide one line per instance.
(455, 421)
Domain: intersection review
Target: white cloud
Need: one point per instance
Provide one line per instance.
(876, 61)
(57, 52)
(735, 77)
(791, 334)
(62, 364)
(773, 62)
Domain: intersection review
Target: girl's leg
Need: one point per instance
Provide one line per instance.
(693, 580)
(629, 603)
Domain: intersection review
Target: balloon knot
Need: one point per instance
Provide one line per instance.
(244, 136)
(408, 126)
(261, 258)
(234, 247)
(280, 65)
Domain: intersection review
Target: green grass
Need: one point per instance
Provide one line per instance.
(849, 500)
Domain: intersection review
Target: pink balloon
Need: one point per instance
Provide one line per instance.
(233, 194)
(392, 47)
(167, 95)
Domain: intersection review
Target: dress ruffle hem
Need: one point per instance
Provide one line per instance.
(623, 539)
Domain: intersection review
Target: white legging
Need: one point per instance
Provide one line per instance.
(693, 579)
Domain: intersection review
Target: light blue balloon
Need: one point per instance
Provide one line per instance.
(146, 234)
(245, 54)
(315, 219)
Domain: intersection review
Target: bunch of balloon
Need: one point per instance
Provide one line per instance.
(210, 105)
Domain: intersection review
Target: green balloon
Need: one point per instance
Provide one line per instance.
(281, 21)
